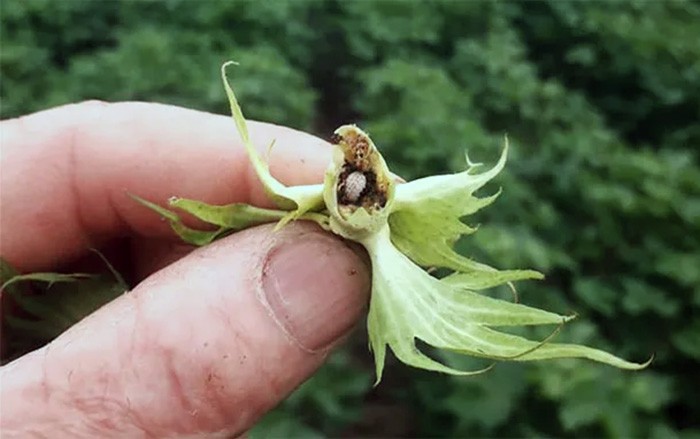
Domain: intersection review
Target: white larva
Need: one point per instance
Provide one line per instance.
(354, 185)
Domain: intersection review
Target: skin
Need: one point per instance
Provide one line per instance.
(208, 340)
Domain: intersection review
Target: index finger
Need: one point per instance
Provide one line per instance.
(66, 172)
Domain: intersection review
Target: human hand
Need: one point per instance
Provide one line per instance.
(209, 340)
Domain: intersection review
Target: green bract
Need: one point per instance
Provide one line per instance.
(406, 228)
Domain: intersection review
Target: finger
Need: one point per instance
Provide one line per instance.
(211, 354)
(67, 172)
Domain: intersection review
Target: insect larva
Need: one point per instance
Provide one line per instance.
(355, 184)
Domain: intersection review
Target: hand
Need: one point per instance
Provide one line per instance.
(206, 344)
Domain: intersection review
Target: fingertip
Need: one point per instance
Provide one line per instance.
(204, 346)
(316, 286)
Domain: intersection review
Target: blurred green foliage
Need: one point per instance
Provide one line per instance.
(601, 101)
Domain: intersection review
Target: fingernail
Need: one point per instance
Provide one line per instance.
(317, 288)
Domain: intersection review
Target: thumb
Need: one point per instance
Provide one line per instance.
(206, 345)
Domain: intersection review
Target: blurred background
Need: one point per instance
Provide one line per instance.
(600, 100)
